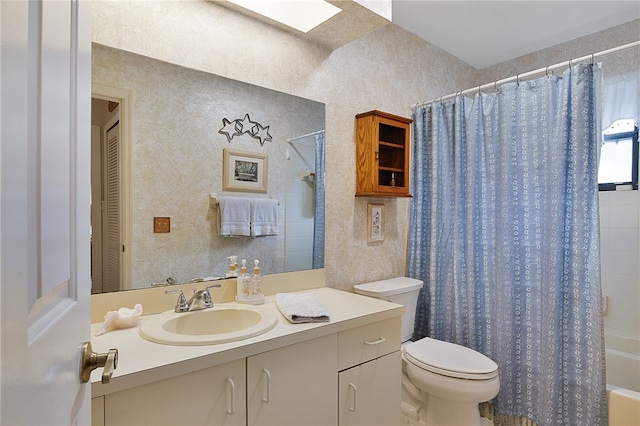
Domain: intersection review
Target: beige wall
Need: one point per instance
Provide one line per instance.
(176, 156)
(378, 71)
(388, 69)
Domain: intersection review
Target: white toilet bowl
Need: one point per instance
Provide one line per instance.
(454, 380)
(442, 382)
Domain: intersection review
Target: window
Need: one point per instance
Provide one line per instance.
(619, 156)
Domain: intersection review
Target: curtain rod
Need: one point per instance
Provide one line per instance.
(306, 136)
(518, 77)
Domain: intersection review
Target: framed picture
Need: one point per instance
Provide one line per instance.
(375, 223)
(244, 171)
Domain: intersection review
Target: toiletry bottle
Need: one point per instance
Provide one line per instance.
(258, 296)
(243, 281)
(239, 295)
(393, 179)
(233, 267)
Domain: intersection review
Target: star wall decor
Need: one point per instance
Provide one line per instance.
(239, 127)
(229, 128)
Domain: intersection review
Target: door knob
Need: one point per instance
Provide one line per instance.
(90, 360)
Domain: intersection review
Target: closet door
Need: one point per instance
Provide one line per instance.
(111, 222)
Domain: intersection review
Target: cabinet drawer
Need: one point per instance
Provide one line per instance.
(367, 342)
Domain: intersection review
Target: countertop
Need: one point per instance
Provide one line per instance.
(141, 361)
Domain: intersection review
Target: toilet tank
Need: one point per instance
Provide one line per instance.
(401, 290)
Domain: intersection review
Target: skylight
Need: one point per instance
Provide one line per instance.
(303, 15)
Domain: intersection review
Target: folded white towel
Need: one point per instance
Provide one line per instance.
(234, 216)
(301, 307)
(264, 217)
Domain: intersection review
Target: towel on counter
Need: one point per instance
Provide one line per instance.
(264, 217)
(234, 216)
(301, 307)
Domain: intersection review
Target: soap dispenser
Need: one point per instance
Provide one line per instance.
(243, 283)
(233, 267)
(258, 295)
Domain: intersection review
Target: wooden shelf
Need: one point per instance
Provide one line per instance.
(382, 155)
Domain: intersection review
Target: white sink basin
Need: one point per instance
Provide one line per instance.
(220, 324)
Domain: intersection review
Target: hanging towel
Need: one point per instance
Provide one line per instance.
(264, 217)
(234, 214)
(301, 307)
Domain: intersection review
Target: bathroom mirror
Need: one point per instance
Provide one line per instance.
(181, 120)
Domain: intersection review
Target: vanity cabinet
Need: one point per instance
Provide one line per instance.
(382, 154)
(294, 385)
(211, 396)
(369, 378)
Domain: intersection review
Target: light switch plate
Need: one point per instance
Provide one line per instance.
(161, 224)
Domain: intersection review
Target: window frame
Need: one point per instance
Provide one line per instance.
(612, 186)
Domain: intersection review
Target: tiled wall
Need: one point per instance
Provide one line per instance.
(299, 210)
(620, 256)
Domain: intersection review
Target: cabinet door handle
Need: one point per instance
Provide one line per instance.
(232, 396)
(355, 396)
(377, 342)
(267, 393)
(377, 155)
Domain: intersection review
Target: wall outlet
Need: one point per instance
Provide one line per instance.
(161, 224)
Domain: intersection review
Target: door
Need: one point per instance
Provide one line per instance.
(96, 210)
(111, 219)
(44, 215)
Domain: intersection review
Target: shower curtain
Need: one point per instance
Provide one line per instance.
(504, 233)
(318, 224)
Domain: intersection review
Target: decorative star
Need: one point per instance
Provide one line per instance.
(246, 125)
(229, 128)
(262, 133)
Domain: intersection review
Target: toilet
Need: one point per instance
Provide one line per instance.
(442, 383)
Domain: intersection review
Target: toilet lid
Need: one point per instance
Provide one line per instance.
(449, 359)
(390, 287)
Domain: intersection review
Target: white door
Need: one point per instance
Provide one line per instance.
(96, 210)
(44, 214)
(111, 220)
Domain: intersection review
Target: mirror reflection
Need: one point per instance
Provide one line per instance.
(158, 135)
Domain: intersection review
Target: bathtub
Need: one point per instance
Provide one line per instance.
(623, 387)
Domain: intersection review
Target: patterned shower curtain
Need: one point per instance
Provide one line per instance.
(318, 224)
(504, 233)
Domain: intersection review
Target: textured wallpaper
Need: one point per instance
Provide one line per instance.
(177, 161)
(388, 69)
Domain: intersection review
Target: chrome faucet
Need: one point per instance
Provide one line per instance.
(201, 299)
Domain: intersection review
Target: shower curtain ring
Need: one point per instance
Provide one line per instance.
(592, 58)
(518, 79)
(546, 71)
(495, 85)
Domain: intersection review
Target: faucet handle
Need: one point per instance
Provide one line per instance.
(181, 304)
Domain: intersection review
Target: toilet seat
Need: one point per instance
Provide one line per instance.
(449, 359)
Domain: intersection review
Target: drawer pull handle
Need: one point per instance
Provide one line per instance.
(355, 396)
(267, 397)
(232, 396)
(377, 342)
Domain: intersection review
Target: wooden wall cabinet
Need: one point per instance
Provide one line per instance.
(382, 154)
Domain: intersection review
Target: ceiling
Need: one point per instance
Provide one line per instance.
(485, 33)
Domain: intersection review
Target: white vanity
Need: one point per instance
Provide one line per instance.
(346, 371)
